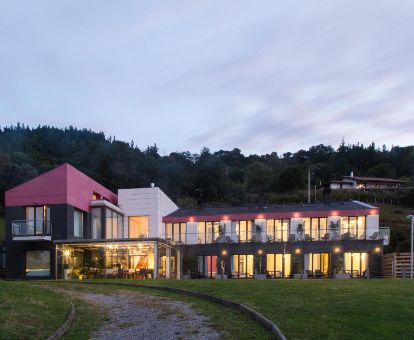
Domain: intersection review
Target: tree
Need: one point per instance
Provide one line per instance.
(291, 178)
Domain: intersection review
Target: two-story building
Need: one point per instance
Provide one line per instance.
(63, 224)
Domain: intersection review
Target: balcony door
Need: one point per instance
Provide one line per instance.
(37, 220)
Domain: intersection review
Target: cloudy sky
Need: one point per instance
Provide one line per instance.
(263, 76)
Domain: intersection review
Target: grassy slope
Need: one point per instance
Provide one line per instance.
(396, 218)
(312, 309)
(33, 312)
(29, 312)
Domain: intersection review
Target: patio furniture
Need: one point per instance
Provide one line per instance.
(325, 237)
(374, 236)
(318, 274)
(309, 273)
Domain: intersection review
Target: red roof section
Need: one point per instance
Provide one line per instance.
(62, 185)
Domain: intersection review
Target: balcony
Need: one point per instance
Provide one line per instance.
(31, 230)
(327, 235)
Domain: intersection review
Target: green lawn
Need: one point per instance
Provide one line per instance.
(28, 311)
(303, 309)
(315, 309)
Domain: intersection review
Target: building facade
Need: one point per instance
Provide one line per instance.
(366, 183)
(63, 224)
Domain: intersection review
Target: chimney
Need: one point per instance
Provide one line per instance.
(152, 185)
(352, 174)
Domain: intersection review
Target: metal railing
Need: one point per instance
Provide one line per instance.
(340, 234)
(29, 228)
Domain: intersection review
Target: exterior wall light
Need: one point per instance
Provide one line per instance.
(297, 251)
(66, 252)
(224, 252)
(377, 250)
(260, 252)
(337, 250)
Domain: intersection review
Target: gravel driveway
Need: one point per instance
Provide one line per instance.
(133, 315)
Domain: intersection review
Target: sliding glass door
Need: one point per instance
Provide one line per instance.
(355, 263)
(278, 265)
(317, 264)
(243, 266)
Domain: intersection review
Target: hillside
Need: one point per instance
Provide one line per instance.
(219, 178)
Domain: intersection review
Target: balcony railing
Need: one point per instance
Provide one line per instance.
(340, 234)
(31, 230)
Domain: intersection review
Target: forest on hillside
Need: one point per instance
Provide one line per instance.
(190, 179)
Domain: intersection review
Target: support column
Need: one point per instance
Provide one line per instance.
(156, 259)
(168, 264)
(179, 261)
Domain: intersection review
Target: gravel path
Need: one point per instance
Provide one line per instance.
(133, 315)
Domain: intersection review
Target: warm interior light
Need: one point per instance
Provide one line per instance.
(66, 252)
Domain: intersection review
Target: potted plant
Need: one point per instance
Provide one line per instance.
(335, 227)
(338, 270)
(299, 230)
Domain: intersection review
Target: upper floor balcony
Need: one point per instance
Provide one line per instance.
(328, 235)
(32, 230)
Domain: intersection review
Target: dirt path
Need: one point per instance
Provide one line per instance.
(133, 315)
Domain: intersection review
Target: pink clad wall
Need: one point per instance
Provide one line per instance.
(62, 185)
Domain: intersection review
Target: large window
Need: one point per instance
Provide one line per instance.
(353, 227)
(243, 266)
(244, 230)
(315, 229)
(207, 265)
(278, 265)
(317, 263)
(176, 232)
(277, 230)
(208, 232)
(114, 225)
(38, 263)
(138, 226)
(38, 220)
(96, 223)
(355, 263)
(78, 224)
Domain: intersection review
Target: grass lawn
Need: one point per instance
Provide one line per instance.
(231, 324)
(28, 311)
(314, 309)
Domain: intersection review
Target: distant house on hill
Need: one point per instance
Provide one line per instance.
(359, 182)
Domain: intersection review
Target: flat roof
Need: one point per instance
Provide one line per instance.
(269, 211)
